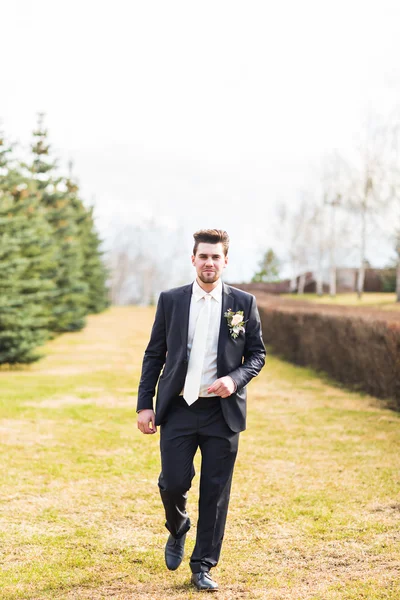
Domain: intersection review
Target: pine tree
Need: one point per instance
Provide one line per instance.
(269, 268)
(94, 270)
(70, 302)
(26, 255)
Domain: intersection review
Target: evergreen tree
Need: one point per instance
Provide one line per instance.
(94, 270)
(26, 255)
(70, 302)
(268, 268)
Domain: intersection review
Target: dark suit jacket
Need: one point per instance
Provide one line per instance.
(241, 358)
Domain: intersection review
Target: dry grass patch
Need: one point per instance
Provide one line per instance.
(70, 400)
(26, 433)
(384, 301)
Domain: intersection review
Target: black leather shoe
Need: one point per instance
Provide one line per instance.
(203, 582)
(174, 551)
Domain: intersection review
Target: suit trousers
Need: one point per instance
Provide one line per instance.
(187, 428)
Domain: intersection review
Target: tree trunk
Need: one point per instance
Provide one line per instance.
(332, 257)
(319, 275)
(398, 281)
(302, 281)
(332, 281)
(361, 269)
(360, 281)
(320, 289)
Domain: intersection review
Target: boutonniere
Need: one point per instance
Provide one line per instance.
(235, 322)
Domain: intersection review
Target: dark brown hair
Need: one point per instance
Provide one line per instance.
(211, 236)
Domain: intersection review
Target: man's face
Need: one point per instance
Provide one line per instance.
(209, 262)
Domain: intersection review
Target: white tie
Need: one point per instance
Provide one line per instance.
(197, 354)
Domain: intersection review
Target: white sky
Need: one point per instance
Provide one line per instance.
(203, 114)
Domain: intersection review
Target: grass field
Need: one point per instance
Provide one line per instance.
(315, 505)
(368, 299)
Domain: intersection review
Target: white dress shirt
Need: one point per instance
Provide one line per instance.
(209, 374)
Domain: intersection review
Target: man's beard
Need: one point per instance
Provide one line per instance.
(208, 277)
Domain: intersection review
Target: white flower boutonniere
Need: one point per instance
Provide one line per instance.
(235, 322)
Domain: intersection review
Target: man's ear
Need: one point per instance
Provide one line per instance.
(193, 258)
(226, 262)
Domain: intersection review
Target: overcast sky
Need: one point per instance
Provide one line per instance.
(202, 114)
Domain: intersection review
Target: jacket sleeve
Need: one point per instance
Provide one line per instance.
(254, 350)
(153, 360)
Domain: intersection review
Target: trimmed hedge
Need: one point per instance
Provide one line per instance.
(358, 350)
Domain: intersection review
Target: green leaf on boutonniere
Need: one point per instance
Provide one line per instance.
(235, 322)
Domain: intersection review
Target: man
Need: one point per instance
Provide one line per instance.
(207, 341)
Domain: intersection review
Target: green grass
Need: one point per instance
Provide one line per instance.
(383, 301)
(315, 506)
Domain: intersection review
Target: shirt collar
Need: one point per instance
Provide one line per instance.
(199, 293)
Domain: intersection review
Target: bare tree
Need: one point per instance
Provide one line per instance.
(317, 221)
(333, 204)
(370, 189)
(143, 260)
(334, 229)
(119, 264)
(298, 229)
(394, 192)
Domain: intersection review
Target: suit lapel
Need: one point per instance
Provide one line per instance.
(227, 303)
(184, 308)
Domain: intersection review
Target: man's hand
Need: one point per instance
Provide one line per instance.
(147, 421)
(224, 387)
